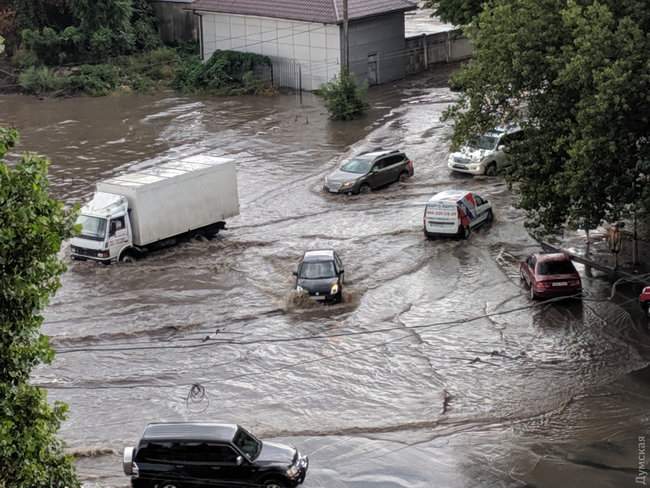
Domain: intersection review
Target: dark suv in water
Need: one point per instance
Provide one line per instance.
(178, 455)
(320, 274)
(369, 171)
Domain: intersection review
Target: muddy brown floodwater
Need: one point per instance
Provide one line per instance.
(434, 372)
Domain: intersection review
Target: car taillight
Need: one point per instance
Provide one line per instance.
(409, 163)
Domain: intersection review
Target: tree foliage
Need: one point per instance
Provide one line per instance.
(344, 98)
(576, 75)
(33, 226)
(457, 12)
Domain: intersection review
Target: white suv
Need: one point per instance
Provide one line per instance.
(485, 155)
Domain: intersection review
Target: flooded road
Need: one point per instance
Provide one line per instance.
(435, 371)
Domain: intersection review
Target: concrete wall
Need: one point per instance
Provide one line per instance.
(377, 48)
(176, 25)
(443, 47)
(296, 48)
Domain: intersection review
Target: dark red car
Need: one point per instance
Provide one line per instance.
(550, 275)
(644, 300)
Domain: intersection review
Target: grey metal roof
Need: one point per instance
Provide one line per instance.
(190, 430)
(321, 11)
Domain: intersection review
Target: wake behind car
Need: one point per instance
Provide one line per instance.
(455, 213)
(177, 455)
(486, 154)
(320, 275)
(369, 171)
(549, 275)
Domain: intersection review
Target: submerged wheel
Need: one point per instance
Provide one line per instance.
(127, 256)
(275, 484)
(167, 484)
(464, 231)
(404, 176)
(489, 218)
(365, 189)
(491, 169)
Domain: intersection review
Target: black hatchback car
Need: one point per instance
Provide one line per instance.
(183, 455)
(369, 171)
(320, 274)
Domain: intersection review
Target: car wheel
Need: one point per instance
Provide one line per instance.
(464, 231)
(404, 176)
(275, 484)
(491, 169)
(521, 275)
(167, 484)
(645, 308)
(489, 217)
(365, 189)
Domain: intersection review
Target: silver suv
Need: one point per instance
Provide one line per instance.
(487, 154)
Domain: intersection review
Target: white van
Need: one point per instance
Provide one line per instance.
(455, 213)
(485, 155)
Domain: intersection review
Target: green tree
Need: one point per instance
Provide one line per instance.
(577, 77)
(32, 228)
(457, 12)
(344, 98)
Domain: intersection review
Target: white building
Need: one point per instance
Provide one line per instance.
(304, 38)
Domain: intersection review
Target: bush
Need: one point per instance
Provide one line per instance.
(344, 99)
(39, 80)
(225, 73)
(24, 58)
(95, 80)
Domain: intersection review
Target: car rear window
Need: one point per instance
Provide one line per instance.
(555, 268)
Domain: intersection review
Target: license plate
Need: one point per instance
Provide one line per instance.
(560, 283)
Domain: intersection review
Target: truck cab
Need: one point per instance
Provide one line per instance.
(105, 229)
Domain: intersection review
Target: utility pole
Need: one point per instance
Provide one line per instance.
(346, 38)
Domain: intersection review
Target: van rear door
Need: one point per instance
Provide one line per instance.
(441, 217)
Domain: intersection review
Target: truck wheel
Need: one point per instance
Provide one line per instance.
(464, 231)
(127, 256)
(491, 169)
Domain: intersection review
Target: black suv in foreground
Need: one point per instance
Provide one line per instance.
(369, 171)
(180, 455)
(320, 275)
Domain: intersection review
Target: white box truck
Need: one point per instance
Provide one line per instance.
(137, 212)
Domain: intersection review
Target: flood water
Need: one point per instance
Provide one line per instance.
(436, 371)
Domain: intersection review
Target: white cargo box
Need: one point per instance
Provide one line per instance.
(178, 196)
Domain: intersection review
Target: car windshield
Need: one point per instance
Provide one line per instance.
(555, 268)
(484, 142)
(357, 165)
(92, 227)
(317, 270)
(247, 444)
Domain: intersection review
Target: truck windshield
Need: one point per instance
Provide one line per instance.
(247, 444)
(92, 227)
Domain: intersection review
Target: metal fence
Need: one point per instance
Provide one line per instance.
(286, 73)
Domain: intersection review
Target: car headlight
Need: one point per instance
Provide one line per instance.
(293, 471)
(335, 289)
(474, 167)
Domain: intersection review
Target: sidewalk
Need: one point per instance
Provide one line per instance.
(600, 258)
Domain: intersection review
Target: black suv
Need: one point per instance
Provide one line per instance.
(175, 455)
(320, 274)
(369, 171)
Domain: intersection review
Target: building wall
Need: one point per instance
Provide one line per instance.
(303, 53)
(383, 37)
